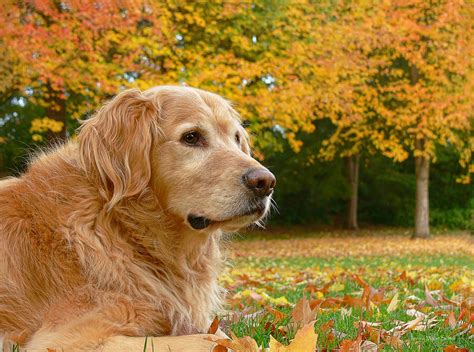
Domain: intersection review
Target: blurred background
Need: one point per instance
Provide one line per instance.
(363, 111)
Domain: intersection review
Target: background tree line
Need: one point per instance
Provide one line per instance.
(364, 111)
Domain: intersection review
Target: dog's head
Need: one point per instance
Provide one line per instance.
(185, 144)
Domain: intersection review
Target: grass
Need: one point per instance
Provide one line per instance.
(257, 282)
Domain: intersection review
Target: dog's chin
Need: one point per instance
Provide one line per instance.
(229, 223)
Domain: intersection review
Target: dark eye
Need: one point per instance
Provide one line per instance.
(191, 138)
(237, 138)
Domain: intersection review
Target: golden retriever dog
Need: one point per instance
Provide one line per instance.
(117, 232)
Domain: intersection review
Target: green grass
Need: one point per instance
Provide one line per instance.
(378, 272)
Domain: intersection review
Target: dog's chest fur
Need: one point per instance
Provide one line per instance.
(158, 279)
(170, 273)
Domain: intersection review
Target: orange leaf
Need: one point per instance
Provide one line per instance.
(302, 313)
(454, 348)
(237, 344)
(451, 320)
(214, 326)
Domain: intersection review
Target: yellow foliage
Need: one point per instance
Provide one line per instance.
(46, 124)
(383, 73)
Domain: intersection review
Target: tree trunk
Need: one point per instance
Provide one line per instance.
(422, 169)
(352, 164)
(422, 218)
(56, 110)
(57, 113)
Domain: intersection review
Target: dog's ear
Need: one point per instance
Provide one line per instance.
(115, 145)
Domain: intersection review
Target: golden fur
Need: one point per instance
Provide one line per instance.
(94, 241)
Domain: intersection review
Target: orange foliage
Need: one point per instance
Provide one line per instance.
(386, 74)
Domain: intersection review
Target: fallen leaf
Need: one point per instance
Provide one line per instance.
(305, 340)
(276, 313)
(393, 340)
(454, 348)
(238, 344)
(368, 346)
(429, 298)
(415, 313)
(451, 320)
(393, 303)
(214, 326)
(302, 313)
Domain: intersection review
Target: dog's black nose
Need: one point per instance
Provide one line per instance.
(260, 181)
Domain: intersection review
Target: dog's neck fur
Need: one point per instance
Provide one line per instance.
(143, 248)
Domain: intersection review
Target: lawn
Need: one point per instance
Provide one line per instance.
(375, 289)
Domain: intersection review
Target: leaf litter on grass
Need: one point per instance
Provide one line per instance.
(371, 302)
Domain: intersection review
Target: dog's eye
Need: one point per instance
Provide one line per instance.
(191, 138)
(237, 138)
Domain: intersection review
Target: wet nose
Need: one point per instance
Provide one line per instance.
(260, 181)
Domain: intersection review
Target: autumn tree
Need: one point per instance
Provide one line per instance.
(397, 79)
(322, 71)
(66, 57)
(236, 49)
(393, 78)
(348, 35)
(426, 89)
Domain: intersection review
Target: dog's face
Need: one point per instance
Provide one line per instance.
(197, 158)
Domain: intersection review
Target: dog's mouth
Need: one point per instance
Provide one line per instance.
(198, 222)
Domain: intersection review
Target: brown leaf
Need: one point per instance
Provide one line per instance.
(214, 326)
(346, 345)
(451, 320)
(429, 298)
(360, 281)
(238, 344)
(447, 300)
(393, 340)
(302, 313)
(220, 348)
(354, 301)
(411, 325)
(368, 346)
(454, 348)
(276, 313)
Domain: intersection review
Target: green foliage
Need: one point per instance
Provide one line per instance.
(456, 218)
(317, 192)
(15, 137)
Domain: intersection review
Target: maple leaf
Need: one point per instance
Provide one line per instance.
(237, 344)
(302, 314)
(305, 340)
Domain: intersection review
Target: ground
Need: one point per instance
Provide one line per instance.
(375, 288)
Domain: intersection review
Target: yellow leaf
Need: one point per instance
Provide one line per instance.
(280, 301)
(304, 341)
(337, 287)
(393, 303)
